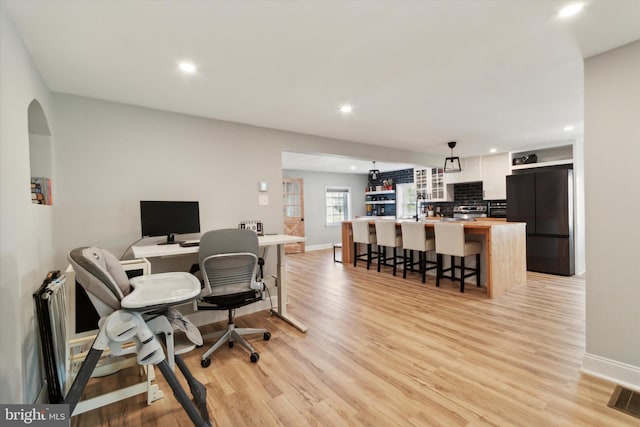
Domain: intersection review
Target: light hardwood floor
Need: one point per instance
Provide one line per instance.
(383, 351)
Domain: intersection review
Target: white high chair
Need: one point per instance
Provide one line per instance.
(136, 311)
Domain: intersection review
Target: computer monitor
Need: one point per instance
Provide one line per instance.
(168, 218)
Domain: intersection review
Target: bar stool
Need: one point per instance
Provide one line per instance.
(450, 240)
(337, 246)
(414, 238)
(388, 235)
(363, 233)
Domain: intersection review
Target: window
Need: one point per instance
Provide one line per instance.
(405, 200)
(337, 205)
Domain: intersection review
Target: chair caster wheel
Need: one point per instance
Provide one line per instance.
(230, 344)
(255, 357)
(267, 336)
(206, 362)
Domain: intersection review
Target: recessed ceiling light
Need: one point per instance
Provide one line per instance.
(568, 128)
(346, 109)
(493, 150)
(187, 67)
(353, 168)
(570, 10)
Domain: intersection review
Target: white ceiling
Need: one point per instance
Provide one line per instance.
(506, 74)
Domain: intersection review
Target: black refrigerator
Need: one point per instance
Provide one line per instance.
(544, 200)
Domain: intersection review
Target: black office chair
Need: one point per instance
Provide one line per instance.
(134, 311)
(228, 264)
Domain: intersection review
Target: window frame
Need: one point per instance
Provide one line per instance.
(402, 190)
(344, 189)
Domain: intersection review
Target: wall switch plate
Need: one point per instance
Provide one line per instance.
(263, 186)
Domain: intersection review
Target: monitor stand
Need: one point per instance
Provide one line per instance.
(171, 240)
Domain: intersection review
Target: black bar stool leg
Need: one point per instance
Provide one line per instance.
(355, 254)
(395, 258)
(453, 268)
(404, 264)
(462, 274)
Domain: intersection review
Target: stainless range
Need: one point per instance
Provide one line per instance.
(470, 212)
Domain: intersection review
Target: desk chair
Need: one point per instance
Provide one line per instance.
(363, 233)
(132, 313)
(388, 235)
(228, 263)
(414, 238)
(450, 240)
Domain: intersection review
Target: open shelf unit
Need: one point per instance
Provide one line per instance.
(381, 203)
(554, 156)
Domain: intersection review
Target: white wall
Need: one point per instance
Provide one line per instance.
(579, 223)
(110, 156)
(612, 143)
(26, 251)
(316, 232)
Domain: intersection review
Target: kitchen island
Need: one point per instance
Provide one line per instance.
(504, 253)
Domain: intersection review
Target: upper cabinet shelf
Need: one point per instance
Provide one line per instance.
(562, 155)
(542, 164)
(381, 192)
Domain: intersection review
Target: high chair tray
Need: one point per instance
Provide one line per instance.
(162, 288)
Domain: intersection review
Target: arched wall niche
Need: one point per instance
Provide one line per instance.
(40, 157)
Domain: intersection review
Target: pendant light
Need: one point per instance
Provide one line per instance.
(373, 173)
(452, 164)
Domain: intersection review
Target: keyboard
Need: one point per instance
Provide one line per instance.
(189, 244)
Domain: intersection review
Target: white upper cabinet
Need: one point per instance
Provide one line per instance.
(430, 185)
(494, 172)
(471, 171)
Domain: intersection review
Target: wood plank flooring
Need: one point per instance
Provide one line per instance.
(383, 351)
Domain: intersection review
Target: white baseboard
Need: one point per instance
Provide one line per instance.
(620, 373)
(318, 247)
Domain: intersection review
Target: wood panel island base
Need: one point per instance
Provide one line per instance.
(504, 251)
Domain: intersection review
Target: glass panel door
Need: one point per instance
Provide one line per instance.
(293, 211)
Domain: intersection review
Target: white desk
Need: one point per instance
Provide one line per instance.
(279, 240)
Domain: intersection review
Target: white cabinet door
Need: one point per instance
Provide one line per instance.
(494, 172)
(471, 171)
(422, 178)
(430, 185)
(438, 189)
